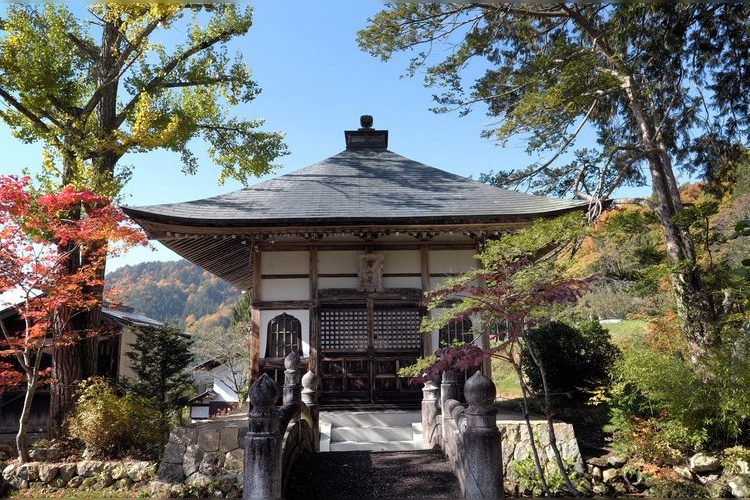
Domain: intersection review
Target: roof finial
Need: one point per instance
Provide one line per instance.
(366, 122)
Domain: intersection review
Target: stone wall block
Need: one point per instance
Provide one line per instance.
(229, 439)
(198, 479)
(170, 473)
(8, 472)
(192, 459)
(702, 462)
(90, 468)
(141, 471)
(173, 453)
(211, 463)
(28, 471)
(75, 481)
(208, 439)
(87, 483)
(234, 460)
(68, 471)
(48, 472)
(184, 435)
(125, 483)
(119, 471)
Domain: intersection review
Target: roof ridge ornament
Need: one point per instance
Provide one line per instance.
(366, 137)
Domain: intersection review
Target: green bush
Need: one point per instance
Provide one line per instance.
(662, 407)
(113, 426)
(573, 358)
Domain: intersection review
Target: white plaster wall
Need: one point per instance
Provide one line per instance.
(451, 261)
(339, 262)
(225, 393)
(198, 412)
(401, 261)
(402, 282)
(303, 315)
(285, 289)
(349, 283)
(285, 263)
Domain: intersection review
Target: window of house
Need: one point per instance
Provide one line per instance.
(457, 331)
(284, 335)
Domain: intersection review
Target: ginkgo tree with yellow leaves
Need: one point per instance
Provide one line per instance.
(106, 80)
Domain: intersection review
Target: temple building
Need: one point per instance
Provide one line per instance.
(338, 255)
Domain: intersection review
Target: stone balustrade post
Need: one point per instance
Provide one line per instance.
(430, 413)
(448, 390)
(483, 475)
(310, 398)
(263, 468)
(292, 388)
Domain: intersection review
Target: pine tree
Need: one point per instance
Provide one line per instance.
(159, 357)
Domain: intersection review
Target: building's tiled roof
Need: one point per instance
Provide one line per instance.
(357, 186)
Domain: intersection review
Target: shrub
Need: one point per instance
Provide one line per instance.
(573, 358)
(662, 408)
(113, 426)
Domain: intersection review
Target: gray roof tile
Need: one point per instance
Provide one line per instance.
(358, 186)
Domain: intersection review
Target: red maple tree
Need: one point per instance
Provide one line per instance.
(36, 238)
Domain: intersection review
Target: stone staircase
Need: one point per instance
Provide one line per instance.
(392, 430)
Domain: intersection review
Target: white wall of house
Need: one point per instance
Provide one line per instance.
(222, 390)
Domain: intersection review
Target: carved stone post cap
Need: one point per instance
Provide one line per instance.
(291, 361)
(479, 390)
(263, 392)
(310, 380)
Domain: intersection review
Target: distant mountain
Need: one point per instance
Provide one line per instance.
(176, 292)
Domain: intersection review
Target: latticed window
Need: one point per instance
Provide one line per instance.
(457, 331)
(284, 335)
(344, 329)
(396, 329)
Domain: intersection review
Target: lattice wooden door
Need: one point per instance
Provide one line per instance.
(362, 349)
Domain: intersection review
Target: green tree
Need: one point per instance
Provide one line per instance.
(658, 85)
(112, 81)
(159, 358)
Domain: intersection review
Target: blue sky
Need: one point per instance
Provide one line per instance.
(316, 83)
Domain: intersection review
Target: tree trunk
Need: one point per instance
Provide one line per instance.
(22, 437)
(694, 307)
(66, 371)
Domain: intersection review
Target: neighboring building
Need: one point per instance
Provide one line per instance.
(216, 398)
(337, 257)
(113, 362)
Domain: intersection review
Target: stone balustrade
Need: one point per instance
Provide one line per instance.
(467, 434)
(278, 435)
(471, 436)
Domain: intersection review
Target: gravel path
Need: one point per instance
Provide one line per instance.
(364, 474)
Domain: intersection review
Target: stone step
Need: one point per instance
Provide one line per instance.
(371, 434)
(375, 446)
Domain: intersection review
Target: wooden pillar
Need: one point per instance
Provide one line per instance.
(424, 260)
(485, 341)
(314, 321)
(255, 315)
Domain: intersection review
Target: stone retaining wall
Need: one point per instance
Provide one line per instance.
(85, 475)
(205, 455)
(516, 446)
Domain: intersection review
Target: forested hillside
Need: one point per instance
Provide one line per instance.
(177, 292)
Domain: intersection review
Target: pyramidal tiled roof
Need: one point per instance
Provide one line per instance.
(358, 186)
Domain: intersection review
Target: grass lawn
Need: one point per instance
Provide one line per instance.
(622, 333)
(626, 332)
